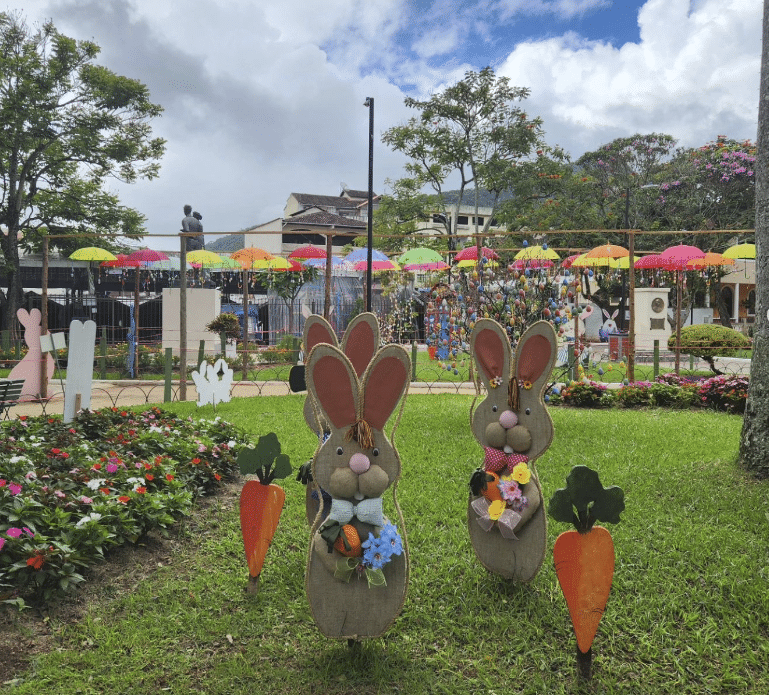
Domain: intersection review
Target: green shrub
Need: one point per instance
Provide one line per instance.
(226, 323)
(287, 350)
(584, 394)
(649, 394)
(710, 340)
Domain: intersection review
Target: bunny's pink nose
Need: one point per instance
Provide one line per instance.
(359, 463)
(508, 419)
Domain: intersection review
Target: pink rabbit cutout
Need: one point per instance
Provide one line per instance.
(29, 367)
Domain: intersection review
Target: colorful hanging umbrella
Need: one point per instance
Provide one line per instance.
(121, 261)
(169, 264)
(624, 262)
(376, 265)
(470, 263)
(306, 252)
(145, 256)
(709, 260)
(608, 251)
(582, 261)
(436, 265)
(275, 263)
(207, 259)
(533, 263)
(362, 254)
(419, 256)
(225, 263)
(537, 252)
(741, 251)
(294, 266)
(653, 260)
(470, 253)
(250, 254)
(336, 263)
(566, 263)
(92, 253)
(676, 257)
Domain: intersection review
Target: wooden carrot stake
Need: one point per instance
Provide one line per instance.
(584, 558)
(261, 502)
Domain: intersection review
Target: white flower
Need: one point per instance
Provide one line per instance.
(93, 516)
(95, 483)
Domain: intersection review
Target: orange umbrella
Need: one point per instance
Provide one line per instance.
(607, 251)
(248, 255)
(708, 260)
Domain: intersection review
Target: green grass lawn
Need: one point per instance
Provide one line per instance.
(688, 613)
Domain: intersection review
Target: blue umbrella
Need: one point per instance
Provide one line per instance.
(362, 255)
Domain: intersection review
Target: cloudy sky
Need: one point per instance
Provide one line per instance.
(265, 98)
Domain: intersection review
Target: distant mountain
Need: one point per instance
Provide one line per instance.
(227, 244)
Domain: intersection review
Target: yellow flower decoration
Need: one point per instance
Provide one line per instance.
(495, 382)
(521, 473)
(496, 508)
(527, 385)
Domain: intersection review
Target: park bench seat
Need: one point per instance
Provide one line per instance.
(10, 393)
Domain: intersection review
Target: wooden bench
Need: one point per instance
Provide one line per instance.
(10, 393)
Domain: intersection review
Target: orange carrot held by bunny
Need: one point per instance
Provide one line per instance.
(357, 564)
(506, 518)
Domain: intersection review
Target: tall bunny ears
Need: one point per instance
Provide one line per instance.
(345, 400)
(359, 343)
(534, 355)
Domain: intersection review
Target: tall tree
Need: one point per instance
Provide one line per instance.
(68, 125)
(473, 130)
(754, 442)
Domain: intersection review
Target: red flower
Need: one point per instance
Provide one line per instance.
(96, 466)
(56, 451)
(141, 490)
(169, 476)
(217, 476)
(196, 460)
(124, 499)
(36, 562)
(105, 490)
(150, 477)
(148, 466)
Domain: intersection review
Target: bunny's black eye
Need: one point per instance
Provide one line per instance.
(375, 451)
(494, 408)
(528, 411)
(339, 450)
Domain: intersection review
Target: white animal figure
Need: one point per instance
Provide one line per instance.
(82, 339)
(610, 325)
(212, 389)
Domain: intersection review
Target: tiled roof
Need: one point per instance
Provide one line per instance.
(324, 219)
(356, 194)
(325, 201)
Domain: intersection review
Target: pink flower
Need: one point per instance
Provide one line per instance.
(111, 467)
(14, 488)
(86, 500)
(59, 494)
(28, 532)
(2, 543)
(13, 532)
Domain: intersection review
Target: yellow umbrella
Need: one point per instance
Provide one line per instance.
(208, 259)
(741, 251)
(537, 252)
(92, 253)
(276, 263)
(583, 261)
(624, 262)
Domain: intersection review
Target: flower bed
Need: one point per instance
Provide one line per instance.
(727, 393)
(69, 492)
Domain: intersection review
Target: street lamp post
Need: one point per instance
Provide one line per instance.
(370, 104)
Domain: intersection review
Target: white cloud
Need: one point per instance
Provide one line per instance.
(694, 74)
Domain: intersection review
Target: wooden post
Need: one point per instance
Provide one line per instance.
(656, 358)
(414, 361)
(631, 326)
(327, 298)
(44, 320)
(103, 354)
(167, 395)
(183, 319)
(245, 324)
(201, 352)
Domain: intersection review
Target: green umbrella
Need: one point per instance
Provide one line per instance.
(420, 256)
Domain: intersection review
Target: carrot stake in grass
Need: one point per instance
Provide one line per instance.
(261, 502)
(584, 559)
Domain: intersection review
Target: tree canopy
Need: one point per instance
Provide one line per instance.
(68, 125)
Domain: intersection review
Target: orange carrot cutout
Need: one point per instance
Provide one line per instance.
(261, 502)
(584, 559)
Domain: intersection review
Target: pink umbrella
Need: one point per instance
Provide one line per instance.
(121, 261)
(566, 262)
(676, 257)
(377, 265)
(147, 256)
(307, 251)
(471, 254)
(523, 263)
(437, 265)
(653, 260)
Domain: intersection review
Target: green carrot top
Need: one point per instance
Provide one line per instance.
(591, 500)
(265, 460)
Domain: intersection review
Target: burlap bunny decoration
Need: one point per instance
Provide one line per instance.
(506, 517)
(357, 564)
